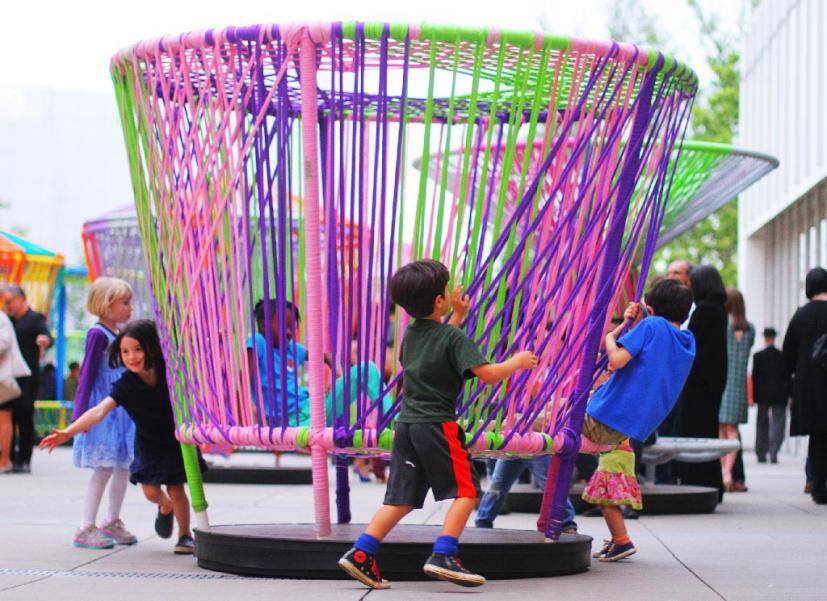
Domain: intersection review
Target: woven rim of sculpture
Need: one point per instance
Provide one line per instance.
(235, 135)
(710, 175)
(112, 247)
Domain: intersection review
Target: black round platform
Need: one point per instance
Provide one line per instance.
(258, 475)
(292, 551)
(657, 499)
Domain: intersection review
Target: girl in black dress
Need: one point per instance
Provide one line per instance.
(142, 391)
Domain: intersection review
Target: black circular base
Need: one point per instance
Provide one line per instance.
(293, 551)
(258, 475)
(657, 499)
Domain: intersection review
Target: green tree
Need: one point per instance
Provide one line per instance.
(713, 241)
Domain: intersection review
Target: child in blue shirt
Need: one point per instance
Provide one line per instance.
(649, 365)
(279, 376)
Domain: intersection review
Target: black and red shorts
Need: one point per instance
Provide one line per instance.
(430, 455)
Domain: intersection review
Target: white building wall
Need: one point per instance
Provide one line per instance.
(783, 217)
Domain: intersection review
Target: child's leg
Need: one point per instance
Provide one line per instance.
(181, 507)
(154, 494)
(614, 520)
(94, 493)
(385, 519)
(457, 516)
(117, 492)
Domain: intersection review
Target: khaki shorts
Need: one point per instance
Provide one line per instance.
(600, 433)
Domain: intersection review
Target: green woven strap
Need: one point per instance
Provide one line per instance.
(194, 478)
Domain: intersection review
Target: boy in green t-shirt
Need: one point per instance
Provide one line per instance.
(428, 445)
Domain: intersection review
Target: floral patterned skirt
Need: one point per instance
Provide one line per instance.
(614, 481)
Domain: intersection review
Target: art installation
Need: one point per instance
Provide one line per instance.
(30, 266)
(708, 176)
(269, 164)
(112, 247)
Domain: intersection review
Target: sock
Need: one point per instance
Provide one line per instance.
(367, 543)
(446, 545)
(625, 540)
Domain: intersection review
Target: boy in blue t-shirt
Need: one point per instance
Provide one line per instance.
(650, 364)
(289, 392)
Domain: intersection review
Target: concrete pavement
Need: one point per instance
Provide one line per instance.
(767, 544)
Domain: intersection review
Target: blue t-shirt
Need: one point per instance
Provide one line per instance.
(638, 397)
(297, 396)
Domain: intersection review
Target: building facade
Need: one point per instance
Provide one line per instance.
(783, 218)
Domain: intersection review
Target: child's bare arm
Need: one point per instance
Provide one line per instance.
(492, 373)
(82, 424)
(618, 356)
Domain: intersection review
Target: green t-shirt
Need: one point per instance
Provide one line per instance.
(437, 359)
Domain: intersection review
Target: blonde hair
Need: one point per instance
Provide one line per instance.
(104, 292)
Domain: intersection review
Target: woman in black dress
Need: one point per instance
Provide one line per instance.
(700, 400)
(142, 391)
(808, 413)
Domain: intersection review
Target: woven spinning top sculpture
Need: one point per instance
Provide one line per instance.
(112, 246)
(240, 138)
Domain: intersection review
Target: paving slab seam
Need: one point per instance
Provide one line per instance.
(678, 559)
(114, 551)
(106, 574)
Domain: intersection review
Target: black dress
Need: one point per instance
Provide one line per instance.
(158, 457)
(808, 412)
(700, 399)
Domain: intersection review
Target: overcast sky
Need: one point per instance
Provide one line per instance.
(62, 160)
(68, 44)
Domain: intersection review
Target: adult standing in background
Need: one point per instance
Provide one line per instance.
(12, 365)
(700, 399)
(32, 338)
(771, 389)
(808, 415)
(680, 270)
(667, 473)
(740, 336)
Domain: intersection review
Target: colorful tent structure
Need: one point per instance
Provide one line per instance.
(33, 267)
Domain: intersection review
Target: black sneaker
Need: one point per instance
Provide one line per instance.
(163, 523)
(446, 567)
(362, 566)
(185, 545)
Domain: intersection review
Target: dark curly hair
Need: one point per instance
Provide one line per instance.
(146, 333)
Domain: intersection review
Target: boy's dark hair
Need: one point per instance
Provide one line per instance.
(274, 307)
(415, 286)
(73, 365)
(145, 332)
(815, 282)
(770, 332)
(670, 299)
(707, 285)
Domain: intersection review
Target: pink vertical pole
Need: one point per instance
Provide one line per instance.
(310, 157)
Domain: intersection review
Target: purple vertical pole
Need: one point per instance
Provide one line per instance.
(556, 493)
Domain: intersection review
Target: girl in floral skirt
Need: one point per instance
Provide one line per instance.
(612, 485)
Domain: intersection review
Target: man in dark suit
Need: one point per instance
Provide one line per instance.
(771, 391)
